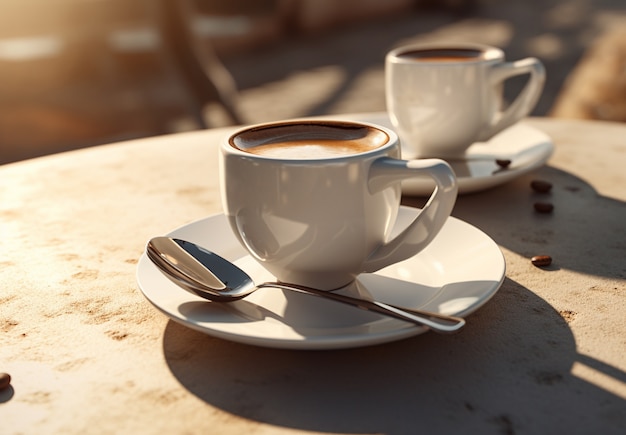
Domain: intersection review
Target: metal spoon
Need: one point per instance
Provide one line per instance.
(212, 277)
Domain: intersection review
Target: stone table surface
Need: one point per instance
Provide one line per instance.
(87, 353)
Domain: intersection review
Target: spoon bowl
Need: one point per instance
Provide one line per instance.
(206, 274)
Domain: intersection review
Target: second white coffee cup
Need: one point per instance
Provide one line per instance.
(442, 98)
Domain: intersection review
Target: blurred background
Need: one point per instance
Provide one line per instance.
(77, 73)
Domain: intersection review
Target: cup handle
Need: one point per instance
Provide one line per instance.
(431, 218)
(527, 98)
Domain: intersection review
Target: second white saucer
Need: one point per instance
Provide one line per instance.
(526, 147)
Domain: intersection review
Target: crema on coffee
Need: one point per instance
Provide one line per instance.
(311, 149)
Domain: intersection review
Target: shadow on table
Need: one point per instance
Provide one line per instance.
(515, 368)
(510, 370)
(585, 232)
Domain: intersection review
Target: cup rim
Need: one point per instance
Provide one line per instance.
(491, 53)
(392, 140)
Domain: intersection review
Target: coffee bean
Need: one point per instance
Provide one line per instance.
(5, 380)
(543, 207)
(541, 186)
(541, 260)
(503, 163)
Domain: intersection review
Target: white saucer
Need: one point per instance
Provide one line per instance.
(456, 274)
(526, 147)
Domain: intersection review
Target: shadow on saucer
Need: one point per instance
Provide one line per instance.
(508, 371)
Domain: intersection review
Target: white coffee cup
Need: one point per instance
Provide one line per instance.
(442, 98)
(321, 219)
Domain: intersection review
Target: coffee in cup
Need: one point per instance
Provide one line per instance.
(291, 144)
(315, 201)
(442, 98)
(443, 55)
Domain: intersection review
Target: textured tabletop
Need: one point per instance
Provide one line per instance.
(88, 354)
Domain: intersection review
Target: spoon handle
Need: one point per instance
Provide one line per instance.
(435, 321)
